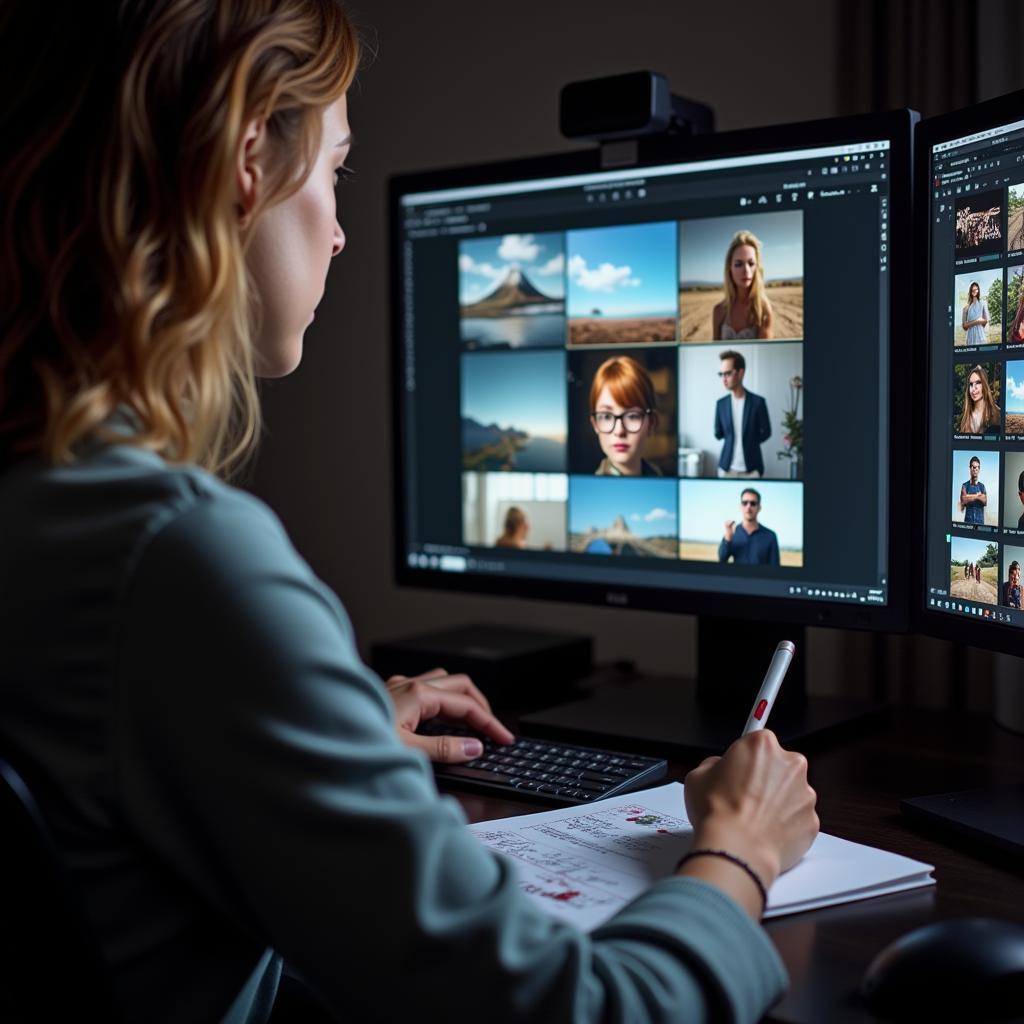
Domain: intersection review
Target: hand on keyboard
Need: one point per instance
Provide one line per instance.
(549, 771)
(421, 698)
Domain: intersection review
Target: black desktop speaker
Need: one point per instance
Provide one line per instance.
(513, 667)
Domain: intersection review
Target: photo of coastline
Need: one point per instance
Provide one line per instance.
(514, 411)
(512, 292)
(622, 284)
(704, 245)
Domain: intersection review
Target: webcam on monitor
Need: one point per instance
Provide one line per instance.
(628, 106)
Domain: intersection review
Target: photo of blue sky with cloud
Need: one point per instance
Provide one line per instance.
(647, 505)
(626, 271)
(485, 262)
(1015, 387)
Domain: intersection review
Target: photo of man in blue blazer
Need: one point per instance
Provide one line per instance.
(740, 413)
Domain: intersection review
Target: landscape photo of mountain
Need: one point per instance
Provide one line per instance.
(512, 292)
(514, 411)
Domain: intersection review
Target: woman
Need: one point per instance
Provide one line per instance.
(517, 526)
(225, 780)
(623, 415)
(974, 318)
(980, 411)
(745, 312)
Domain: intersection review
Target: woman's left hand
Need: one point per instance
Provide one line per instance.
(422, 697)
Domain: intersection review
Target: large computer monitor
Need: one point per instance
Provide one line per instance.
(971, 375)
(594, 404)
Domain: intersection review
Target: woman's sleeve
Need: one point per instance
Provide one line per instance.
(258, 757)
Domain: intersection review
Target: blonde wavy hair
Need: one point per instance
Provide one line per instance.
(122, 257)
(759, 304)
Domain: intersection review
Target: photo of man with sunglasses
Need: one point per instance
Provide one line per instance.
(749, 543)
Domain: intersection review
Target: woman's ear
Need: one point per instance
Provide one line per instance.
(249, 168)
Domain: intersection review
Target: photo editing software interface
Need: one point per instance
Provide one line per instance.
(670, 377)
(975, 539)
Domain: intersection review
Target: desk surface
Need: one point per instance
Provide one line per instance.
(860, 782)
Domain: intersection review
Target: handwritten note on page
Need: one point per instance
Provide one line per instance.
(584, 863)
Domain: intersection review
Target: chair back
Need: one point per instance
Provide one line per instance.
(50, 965)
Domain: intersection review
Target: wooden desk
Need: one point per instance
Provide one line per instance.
(860, 783)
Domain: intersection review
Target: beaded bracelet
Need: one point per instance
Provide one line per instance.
(738, 861)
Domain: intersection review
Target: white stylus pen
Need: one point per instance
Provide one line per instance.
(777, 669)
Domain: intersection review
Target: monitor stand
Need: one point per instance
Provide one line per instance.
(671, 716)
(992, 817)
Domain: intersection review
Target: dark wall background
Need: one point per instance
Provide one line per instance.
(455, 82)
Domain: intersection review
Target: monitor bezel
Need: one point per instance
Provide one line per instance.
(894, 126)
(966, 121)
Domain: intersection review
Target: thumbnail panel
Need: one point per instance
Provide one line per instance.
(1014, 305)
(1013, 491)
(622, 412)
(1014, 423)
(524, 511)
(623, 516)
(746, 522)
(973, 570)
(622, 284)
(742, 277)
(977, 391)
(979, 224)
(1015, 218)
(513, 411)
(978, 295)
(976, 488)
(512, 291)
(1010, 591)
(770, 440)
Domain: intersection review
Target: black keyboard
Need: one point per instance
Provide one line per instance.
(557, 773)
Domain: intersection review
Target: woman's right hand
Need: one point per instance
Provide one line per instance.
(754, 802)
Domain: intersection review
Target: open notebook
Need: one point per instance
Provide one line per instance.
(584, 863)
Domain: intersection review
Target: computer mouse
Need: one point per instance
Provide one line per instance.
(964, 969)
